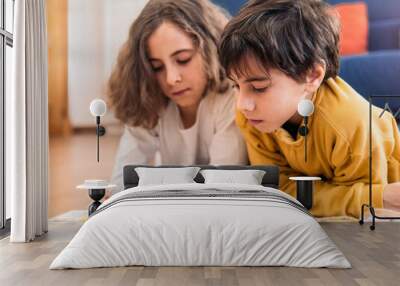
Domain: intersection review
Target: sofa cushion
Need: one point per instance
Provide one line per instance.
(384, 35)
(377, 9)
(353, 27)
(375, 73)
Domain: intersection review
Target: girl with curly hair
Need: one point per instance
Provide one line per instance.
(171, 92)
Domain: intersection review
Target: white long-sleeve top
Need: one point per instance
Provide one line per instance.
(213, 139)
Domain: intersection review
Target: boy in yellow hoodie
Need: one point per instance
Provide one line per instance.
(279, 52)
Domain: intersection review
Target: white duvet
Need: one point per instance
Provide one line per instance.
(188, 231)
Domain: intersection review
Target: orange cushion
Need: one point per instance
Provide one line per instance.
(354, 27)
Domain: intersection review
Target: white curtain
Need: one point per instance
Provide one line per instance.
(27, 123)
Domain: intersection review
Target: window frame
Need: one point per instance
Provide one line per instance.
(6, 39)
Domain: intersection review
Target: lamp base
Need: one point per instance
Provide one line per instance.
(96, 195)
(305, 193)
(305, 189)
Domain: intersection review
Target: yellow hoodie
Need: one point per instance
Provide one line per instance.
(338, 151)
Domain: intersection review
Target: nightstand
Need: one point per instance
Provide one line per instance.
(96, 190)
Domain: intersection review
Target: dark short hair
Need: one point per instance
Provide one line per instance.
(288, 35)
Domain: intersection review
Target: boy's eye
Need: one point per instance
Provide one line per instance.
(259, 90)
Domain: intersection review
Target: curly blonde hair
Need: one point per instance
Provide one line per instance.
(133, 91)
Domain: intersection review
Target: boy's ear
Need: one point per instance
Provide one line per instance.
(315, 77)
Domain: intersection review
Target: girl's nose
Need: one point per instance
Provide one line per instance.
(173, 76)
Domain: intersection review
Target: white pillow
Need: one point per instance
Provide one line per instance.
(163, 176)
(248, 177)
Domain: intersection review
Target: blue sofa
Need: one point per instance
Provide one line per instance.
(378, 71)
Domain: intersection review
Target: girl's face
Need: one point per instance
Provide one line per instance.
(178, 65)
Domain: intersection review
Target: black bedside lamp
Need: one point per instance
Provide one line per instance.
(97, 188)
(98, 108)
(305, 108)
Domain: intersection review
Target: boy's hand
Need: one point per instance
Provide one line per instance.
(391, 196)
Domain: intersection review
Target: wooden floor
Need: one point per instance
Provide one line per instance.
(374, 255)
(72, 160)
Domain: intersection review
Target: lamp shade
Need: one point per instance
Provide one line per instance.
(98, 107)
(305, 107)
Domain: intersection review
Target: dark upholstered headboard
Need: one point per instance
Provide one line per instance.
(270, 179)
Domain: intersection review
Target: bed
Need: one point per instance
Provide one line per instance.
(201, 224)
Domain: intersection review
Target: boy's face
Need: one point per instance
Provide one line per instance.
(267, 100)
